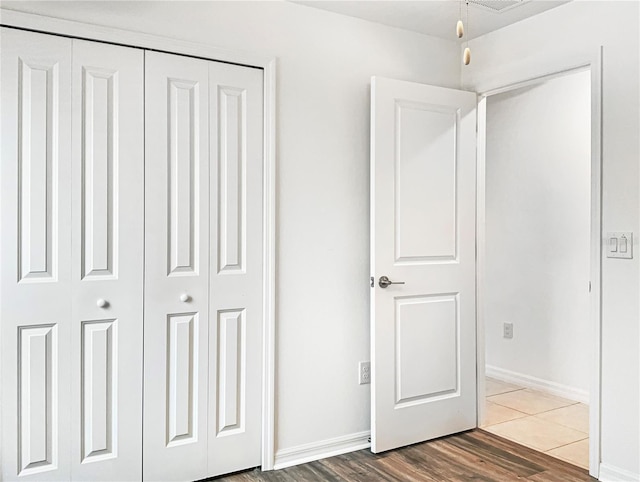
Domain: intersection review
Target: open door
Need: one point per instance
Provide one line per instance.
(423, 193)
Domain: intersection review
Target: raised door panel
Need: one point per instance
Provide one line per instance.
(99, 169)
(108, 219)
(181, 372)
(182, 175)
(231, 359)
(176, 267)
(425, 182)
(235, 323)
(37, 166)
(99, 392)
(426, 334)
(35, 255)
(232, 181)
(37, 392)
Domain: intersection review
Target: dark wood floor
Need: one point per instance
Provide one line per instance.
(469, 456)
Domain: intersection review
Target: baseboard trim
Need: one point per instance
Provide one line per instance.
(615, 474)
(321, 450)
(553, 388)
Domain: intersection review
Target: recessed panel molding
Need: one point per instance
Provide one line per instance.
(427, 354)
(231, 376)
(232, 137)
(425, 184)
(183, 177)
(99, 173)
(37, 399)
(99, 389)
(182, 378)
(38, 132)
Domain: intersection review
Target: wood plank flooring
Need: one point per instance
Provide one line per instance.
(470, 456)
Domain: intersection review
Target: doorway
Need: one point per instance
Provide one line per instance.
(536, 270)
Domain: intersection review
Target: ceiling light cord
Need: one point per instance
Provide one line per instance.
(466, 56)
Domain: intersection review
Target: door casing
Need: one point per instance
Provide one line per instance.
(565, 65)
(80, 30)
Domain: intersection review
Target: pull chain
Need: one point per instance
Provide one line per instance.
(466, 56)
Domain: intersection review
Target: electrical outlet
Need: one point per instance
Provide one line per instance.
(364, 372)
(507, 330)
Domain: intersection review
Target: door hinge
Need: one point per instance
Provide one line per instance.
(372, 282)
(589, 286)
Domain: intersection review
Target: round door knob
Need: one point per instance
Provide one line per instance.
(102, 303)
(185, 297)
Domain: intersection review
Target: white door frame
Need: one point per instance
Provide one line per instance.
(50, 25)
(593, 63)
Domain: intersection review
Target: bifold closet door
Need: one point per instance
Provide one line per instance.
(177, 267)
(236, 316)
(72, 215)
(35, 255)
(71, 203)
(107, 261)
(203, 279)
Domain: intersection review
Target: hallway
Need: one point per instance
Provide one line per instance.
(554, 425)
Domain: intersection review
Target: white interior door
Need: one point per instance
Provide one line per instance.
(107, 261)
(235, 327)
(72, 211)
(203, 279)
(176, 267)
(423, 180)
(35, 255)
(77, 118)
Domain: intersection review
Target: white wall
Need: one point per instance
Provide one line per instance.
(535, 46)
(538, 166)
(325, 62)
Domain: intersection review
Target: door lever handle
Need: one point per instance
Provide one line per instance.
(384, 282)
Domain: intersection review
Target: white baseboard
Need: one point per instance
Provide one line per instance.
(615, 474)
(553, 388)
(322, 449)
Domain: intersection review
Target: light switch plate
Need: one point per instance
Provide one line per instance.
(619, 245)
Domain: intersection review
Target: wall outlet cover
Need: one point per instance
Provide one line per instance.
(364, 373)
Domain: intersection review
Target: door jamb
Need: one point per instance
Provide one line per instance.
(127, 38)
(594, 64)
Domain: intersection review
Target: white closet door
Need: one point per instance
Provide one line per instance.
(35, 255)
(235, 329)
(107, 246)
(177, 267)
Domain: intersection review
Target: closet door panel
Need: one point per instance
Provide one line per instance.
(176, 267)
(235, 323)
(35, 255)
(107, 241)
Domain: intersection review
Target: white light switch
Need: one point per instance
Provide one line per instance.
(623, 244)
(620, 245)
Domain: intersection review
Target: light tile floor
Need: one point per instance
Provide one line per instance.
(543, 422)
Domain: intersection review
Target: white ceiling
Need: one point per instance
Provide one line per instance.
(438, 17)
